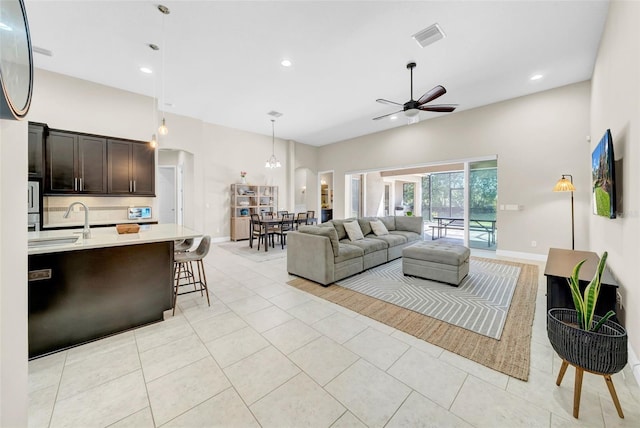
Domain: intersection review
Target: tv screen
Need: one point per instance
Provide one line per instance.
(602, 175)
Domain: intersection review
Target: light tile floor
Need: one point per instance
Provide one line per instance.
(266, 354)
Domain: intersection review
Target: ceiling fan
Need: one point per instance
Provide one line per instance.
(412, 107)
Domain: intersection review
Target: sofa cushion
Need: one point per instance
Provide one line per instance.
(338, 225)
(353, 231)
(392, 240)
(365, 225)
(369, 245)
(348, 252)
(329, 232)
(389, 222)
(409, 236)
(410, 223)
(378, 228)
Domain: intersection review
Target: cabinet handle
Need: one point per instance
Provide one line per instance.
(75, 184)
(81, 181)
(134, 186)
(129, 186)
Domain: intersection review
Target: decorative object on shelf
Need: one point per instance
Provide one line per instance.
(244, 212)
(243, 177)
(564, 185)
(163, 129)
(243, 203)
(272, 162)
(586, 341)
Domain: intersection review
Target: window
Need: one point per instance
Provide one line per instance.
(356, 195)
(408, 195)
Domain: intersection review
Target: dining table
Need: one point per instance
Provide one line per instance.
(268, 222)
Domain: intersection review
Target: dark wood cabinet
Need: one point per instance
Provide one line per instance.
(79, 296)
(37, 134)
(75, 163)
(131, 168)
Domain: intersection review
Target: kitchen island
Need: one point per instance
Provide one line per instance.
(84, 289)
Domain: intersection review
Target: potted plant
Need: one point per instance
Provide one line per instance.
(587, 341)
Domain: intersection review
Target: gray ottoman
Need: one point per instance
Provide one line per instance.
(438, 261)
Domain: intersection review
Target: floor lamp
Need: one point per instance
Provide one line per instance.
(566, 185)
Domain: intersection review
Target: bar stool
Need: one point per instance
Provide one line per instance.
(183, 270)
(182, 246)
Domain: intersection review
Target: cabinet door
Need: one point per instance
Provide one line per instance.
(61, 163)
(143, 169)
(92, 164)
(119, 167)
(36, 154)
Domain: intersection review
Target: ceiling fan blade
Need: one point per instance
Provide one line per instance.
(386, 115)
(383, 101)
(444, 108)
(431, 95)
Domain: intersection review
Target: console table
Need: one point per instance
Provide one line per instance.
(558, 270)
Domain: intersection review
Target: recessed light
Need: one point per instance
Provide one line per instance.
(286, 63)
(146, 70)
(536, 77)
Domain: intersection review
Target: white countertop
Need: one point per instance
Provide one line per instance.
(109, 237)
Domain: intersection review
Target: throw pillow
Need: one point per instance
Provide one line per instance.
(353, 231)
(379, 228)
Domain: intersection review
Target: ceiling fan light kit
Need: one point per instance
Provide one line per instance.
(412, 107)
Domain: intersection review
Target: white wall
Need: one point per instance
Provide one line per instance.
(13, 274)
(536, 139)
(219, 153)
(615, 104)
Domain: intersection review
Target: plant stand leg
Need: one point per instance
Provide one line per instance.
(563, 370)
(614, 396)
(577, 391)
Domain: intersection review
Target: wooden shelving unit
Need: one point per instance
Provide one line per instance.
(246, 200)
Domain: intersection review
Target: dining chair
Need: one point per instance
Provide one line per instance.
(257, 231)
(286, 226)
(302, 219)
(311, 215)
(282, 213)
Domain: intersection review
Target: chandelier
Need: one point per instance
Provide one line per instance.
(273, 162)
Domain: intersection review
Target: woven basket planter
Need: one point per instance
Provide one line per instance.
(604, 352)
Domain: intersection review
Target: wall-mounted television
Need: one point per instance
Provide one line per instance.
(603, 177)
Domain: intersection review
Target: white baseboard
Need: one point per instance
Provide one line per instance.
(221, 239)
(520, 255)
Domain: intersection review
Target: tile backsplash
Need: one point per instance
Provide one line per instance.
(101, 209)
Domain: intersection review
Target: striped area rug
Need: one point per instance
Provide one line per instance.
(510, 354)
(480, 303)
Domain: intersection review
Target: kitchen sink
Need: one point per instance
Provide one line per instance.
(45, 242)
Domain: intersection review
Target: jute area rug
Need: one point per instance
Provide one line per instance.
(509, 355)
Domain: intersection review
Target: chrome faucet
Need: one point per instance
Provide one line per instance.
(86, 232)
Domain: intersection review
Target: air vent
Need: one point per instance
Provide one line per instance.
(429, 35)
(274, 113)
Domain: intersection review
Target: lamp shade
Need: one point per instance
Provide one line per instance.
(564, 185)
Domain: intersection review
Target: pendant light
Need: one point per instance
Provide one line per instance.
(272, 162)
(163, 129)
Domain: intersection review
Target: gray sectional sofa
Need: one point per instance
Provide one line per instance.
(325, 254)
